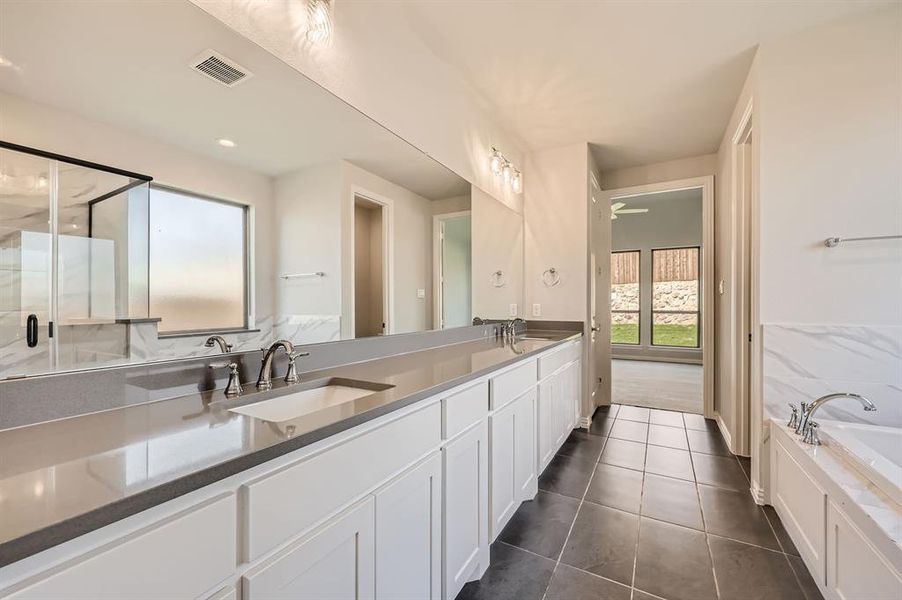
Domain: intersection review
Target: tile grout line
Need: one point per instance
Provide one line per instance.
(705, 526)
(575, 517)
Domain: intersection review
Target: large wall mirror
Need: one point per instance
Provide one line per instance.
(163, 179)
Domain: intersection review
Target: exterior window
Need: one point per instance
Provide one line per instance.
(675, 290)
(198, 262)
(625, 297)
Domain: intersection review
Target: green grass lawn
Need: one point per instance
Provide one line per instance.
(664, 335)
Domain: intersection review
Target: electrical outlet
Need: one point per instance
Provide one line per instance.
(421, 293)
(537, 310)
(513, 310)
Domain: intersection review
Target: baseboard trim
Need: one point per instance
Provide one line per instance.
(758, 494)
(724, 431)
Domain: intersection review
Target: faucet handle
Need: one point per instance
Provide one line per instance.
(292, 375)
(811, 436)
(233, 387)
(794, 417)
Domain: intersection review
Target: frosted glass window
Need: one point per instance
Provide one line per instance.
(198, 258)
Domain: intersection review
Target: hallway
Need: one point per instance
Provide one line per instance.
(647, 504)
(664, 385)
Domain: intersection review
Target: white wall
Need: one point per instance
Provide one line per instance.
(555, 207)
(830, 122)
(683, 168)
(497, 246)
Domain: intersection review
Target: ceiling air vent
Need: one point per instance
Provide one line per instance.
(216, 66)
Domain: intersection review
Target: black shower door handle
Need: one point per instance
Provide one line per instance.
(31, 330)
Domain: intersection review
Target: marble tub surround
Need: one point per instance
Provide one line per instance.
(56, 396)
(61, 479)
(882, 517)
(803, 362)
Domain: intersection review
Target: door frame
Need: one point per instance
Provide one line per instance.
(706, 185)
(388, 260)
(438, 237)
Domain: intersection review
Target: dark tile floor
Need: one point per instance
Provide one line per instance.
(648, 504)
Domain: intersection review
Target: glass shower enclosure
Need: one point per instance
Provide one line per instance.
(73, 261)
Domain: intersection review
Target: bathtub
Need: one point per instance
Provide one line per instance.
(875, 452)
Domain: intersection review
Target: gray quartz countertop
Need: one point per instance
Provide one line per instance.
(65, 478)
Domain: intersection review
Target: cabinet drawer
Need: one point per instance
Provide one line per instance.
(464, 408)
(549, 363)
(281, 505)
(512, 384)
(179, 557)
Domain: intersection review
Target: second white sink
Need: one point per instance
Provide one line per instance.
(298, 404)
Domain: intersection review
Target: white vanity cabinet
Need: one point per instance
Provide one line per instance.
(400, 507)
(465, 510)
(512, 447)
(558, 399)
(409, 534)
(338, 560)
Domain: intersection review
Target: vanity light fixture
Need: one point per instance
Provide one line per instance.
(517, 182)
(319, 21)
(499, 165)
(226, 143)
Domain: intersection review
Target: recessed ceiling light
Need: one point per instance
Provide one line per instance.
(225, 143)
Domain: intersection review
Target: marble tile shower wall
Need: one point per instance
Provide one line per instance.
(803, 362)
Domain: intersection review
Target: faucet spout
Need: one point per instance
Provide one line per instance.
(264, 380)
(808, 410)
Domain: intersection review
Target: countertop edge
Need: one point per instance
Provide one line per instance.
(68, 529)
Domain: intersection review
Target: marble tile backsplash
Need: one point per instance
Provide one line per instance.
(803, 362)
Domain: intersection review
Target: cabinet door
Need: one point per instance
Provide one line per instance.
(409, 534)
(854, 568)
(546, 421)
(465, 489)
(335, 562)
(525, 446)
(503, 488)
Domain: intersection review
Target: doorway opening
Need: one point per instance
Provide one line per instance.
(661, 298)
(370, 270)
(452, 270)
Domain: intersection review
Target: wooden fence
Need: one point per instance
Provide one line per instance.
(678, 264)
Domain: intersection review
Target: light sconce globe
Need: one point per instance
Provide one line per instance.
(517, 182)
(319, 21)
(496, 162)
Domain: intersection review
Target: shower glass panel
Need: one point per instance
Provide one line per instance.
(26, 183)
(71, 258)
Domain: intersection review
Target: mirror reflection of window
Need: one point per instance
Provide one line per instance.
(625, 297)
(675, 289)
(198, 274)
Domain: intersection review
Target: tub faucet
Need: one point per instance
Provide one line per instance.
(264, 381)
(808, 428)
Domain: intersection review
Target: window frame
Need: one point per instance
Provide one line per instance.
(697, 312)
(246, 262)
(638, 312)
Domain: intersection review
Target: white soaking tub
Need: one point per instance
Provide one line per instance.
(876, 452)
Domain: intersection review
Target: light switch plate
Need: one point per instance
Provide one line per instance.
(421, 293)
(513, 310)
(537, 310)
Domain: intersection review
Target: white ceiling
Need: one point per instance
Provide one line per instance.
(643, 81)
(127, 64)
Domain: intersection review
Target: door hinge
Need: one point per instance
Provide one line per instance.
(50, 329)
(750, 337)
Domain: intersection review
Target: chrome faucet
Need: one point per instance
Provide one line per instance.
(808, 428)
(264, 381)
(224, 346)
(510, 327)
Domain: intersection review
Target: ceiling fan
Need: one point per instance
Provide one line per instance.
(618, 209)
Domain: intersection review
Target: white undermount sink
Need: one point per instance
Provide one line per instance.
(297, 404)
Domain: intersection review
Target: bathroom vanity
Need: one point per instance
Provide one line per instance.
(394, 494)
